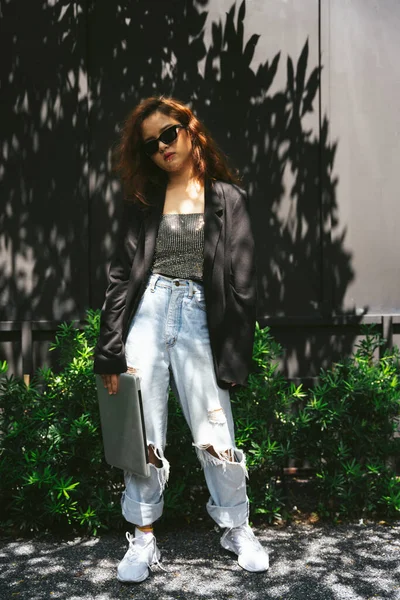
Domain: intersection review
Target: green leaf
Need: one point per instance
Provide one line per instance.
(65, 485)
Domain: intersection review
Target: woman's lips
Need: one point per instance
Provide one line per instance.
(168, 155)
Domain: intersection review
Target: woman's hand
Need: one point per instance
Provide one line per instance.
(111, 382)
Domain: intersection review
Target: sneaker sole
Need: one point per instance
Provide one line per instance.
(251, 570)
(145, 576)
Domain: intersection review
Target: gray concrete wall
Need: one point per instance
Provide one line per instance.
(320, 160)
(361, 97)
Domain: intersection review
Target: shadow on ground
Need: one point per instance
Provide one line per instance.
(307, 562)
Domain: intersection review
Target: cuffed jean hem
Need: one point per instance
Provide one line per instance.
(140, 513)
(228, 516)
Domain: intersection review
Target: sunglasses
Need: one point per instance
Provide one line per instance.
(167, 137)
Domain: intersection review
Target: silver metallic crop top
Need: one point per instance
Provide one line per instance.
(180, 246)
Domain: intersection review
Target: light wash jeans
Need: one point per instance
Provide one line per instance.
(169, 335)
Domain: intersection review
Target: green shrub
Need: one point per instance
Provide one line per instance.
(347, 432)
(52, 472)
(185, 494)
(53, 475)
(264, 419)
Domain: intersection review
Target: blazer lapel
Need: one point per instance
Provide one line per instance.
(213, 217)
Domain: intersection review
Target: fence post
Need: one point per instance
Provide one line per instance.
(27, 350)
(387, 332)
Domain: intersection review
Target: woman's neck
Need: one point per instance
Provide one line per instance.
(185, 194)
(185, 181)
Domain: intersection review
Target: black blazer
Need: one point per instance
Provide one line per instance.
(229, 281)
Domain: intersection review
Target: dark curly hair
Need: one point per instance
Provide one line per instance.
(137, 170)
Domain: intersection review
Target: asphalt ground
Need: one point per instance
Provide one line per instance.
(313, 562)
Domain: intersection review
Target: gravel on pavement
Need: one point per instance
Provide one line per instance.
(313, 562)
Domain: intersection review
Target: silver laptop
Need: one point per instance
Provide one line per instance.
(122, 425)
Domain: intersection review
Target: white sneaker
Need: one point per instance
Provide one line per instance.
(141, 554)
(242, 541)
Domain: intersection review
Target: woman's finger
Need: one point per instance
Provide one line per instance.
(110, 383)
(114, 384)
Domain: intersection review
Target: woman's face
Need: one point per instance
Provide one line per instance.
(173, 157)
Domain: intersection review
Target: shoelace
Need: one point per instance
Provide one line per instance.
(246, 536)
(135, 551)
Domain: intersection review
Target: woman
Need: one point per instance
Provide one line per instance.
(180, 310)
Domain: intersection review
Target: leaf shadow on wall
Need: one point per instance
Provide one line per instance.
(43, 164)
(265, 136)
(62, 201)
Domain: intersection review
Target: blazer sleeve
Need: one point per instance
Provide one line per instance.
(242, 297)
(109, 354)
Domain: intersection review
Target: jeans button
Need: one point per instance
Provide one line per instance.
(177, 283)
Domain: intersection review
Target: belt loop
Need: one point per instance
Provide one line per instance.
(153, 283)
(190, 288)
